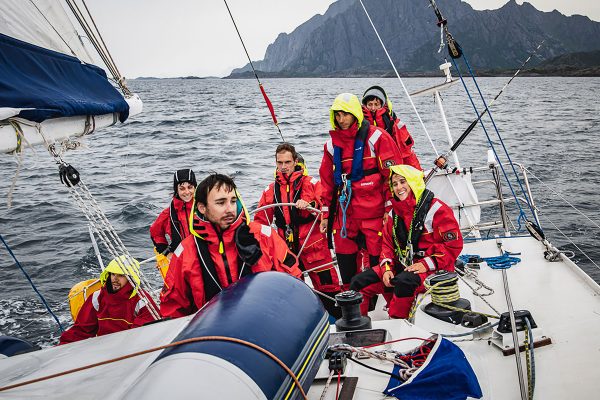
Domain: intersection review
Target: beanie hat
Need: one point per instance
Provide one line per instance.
(181, 176)
(374, 91)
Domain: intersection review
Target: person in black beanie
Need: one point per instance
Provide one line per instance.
(173, 221)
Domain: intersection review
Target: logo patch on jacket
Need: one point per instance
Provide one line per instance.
(449, 236)
(388, 163)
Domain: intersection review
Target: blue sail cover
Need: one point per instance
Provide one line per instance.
(446, 375)
(54, 84)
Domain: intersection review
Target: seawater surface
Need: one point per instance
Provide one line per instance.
(551, 125)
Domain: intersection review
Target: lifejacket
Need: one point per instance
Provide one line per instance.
(292, 230)
(212, 283)
(179, 231)
(399, 231)
(357, 172)
(209, 273)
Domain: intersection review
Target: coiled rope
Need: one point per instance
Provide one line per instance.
(442, 294)
(505, 261)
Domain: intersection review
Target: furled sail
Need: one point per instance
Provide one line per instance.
(49, 84)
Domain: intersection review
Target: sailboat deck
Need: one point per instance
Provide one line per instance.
(564, 303)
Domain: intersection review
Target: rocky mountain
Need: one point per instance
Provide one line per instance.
(342, 42)
(572, 64)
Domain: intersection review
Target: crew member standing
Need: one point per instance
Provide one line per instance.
(293, 185)
(377, 109)
(354, 173)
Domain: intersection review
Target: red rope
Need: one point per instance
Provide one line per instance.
(166, 346)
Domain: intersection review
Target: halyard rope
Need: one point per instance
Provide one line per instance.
(400, 79)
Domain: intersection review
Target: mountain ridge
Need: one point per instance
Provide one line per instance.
(341, 42)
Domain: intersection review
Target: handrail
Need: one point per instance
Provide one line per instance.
(498, 199)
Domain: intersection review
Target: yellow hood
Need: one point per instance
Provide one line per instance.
(130, 264)
(413, 176)
(349, 103)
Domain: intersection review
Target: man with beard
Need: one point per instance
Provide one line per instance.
(224, 246)
(292, 184)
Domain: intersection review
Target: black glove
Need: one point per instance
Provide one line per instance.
(161, 247)
(248, 247)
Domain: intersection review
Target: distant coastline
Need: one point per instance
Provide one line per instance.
(191, 77)
(562, 71)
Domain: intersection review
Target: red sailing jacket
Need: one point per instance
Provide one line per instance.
(104, 313)
(185, 290)
(291, 189)
(398, 131)
(440, 243)
(369, 195)
(164, 224)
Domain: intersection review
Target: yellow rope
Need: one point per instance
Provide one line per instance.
(442, 293)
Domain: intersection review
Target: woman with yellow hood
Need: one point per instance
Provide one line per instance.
(421, 236)
(115, 307)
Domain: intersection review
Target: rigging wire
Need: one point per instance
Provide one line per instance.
(572, 242)
(31, 283)
(487, 108)
(563, 198)
(99, 45)
(527, 200)
(400, 79)
(260, 85)
(52, 26)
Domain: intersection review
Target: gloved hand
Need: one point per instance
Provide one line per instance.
(248, 246)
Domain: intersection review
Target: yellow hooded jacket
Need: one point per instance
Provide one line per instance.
(413, 176)
(349, 103)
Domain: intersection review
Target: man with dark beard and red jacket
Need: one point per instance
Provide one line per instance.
(377, 109)
(421, 236)
(292, 185)
(223, 247)
(354, 173)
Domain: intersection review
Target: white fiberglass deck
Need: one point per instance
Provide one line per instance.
(564, 302)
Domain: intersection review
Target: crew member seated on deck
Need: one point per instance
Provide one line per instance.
(173, 220)
(223, 247)
(293, 185)
(354, 173)
(415, 244)
(378, 111)
(117, 306)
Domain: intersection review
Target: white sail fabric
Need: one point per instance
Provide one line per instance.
(43, 23)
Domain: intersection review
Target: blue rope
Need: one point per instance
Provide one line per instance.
(345, 198)
(500, 138)
(474, 239)
(521, 212)
(32, 284)
(505, 261)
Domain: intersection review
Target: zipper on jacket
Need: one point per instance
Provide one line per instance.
(224, 255)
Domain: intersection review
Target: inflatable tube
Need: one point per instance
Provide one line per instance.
(12, 346)
(272, 310)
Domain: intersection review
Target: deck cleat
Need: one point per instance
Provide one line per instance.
(502, 334)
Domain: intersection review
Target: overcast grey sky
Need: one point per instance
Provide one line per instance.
(196, 37)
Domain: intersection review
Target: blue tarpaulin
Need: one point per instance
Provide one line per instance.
(54, 84)
(446, 375)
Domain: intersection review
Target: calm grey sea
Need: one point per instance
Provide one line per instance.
(551, 125)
